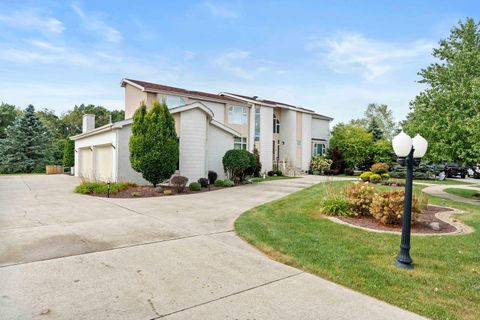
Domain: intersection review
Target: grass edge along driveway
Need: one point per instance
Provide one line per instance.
(445, 283)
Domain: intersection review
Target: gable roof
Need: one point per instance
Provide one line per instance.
(154, 87)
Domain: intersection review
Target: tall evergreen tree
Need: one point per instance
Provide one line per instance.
(8, 114)
(447, 113)
(154, 146)
(375, 130)
(24, 146)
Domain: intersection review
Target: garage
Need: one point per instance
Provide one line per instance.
(85, 161)
(103, 162)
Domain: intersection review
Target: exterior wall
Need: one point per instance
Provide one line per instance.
(242, 129)
(219, 142)
(151, 97)
(125, 170)
(217, 108)
(133, 98)
(193, 144)
(306, 141)
(176, 118)
(299, 134)
(251, 128)
(103, 160)
(320, 129)
(266, 137)
(288, 133)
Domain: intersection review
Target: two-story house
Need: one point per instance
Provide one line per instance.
(208, 125)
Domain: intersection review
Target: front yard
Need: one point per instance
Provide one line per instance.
(445, 283)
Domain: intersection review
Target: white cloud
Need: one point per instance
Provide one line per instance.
(240, 64)
(94, 22)
(220, 11)
(188, 55)
(46, 45)
(354, 53)
(32, 19)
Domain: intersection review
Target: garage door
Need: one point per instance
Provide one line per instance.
(85, 163)
(103, 162)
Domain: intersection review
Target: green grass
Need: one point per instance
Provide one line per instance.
(466, 193)
(267, 178)
(101, 187)
(445, 283)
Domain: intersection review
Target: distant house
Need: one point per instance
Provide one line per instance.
(208, 125)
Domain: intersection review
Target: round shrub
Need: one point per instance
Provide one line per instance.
(366, 176)
(195, 186)
(385, 176)
(238, 162)
(336, 206)
(387, 207)
(359, 196)
(375, 178)
(228, 183)
(179, 183)
(219, 183)
(320, 163)
(203, 182)
(212, 176)
(270, 173)
(380, 168)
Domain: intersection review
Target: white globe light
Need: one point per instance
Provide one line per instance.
(420, 145)
(402, 144)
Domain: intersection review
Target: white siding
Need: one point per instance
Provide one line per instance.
(288, 134)
(306, 140)
(193, 144)
(219, 142)
(320, 129)
(266, 137)
(217, 108)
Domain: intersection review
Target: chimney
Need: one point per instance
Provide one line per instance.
(88, 123)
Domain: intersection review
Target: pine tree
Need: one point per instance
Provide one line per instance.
(375, 129)
(154, 146)
(69, 153)
(24, 146)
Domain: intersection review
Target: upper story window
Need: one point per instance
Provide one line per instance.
(237, 115)
(174, 101)
(276, 124)
(257, 124)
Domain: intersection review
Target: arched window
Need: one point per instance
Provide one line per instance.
(276, 124)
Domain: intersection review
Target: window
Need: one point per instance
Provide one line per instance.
(174, 101)
(319, 149)
(276, 124)
(237, 115)
(257, 124)
(240, 143)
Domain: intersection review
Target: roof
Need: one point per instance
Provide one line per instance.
(273, 103)
(149, 86)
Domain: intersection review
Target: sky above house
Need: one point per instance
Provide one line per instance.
(331, 56)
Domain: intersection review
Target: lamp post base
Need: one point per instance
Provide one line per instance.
(404, 265)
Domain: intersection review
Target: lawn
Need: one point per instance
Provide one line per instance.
(466, 193)
(267, 178)
(445, 283)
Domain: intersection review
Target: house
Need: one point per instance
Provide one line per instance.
(207, 125)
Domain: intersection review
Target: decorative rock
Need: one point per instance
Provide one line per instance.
(435, 226)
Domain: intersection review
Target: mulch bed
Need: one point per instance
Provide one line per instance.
(420, 226)
(148, 192)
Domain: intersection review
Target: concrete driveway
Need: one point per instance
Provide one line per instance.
(68, 256)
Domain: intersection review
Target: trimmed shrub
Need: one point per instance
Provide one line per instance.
(336, 206)
(375, 178)
(101, 187)
(135, 194)
(212, 176)
(359, 196)
(387, 206)
(380, 168)
(270, 173)
(203, 182)
(195, 186)
(385, 176)
(366, 176)
(219, 183)
(279, 173)
(320, 163)
(179, 183)
(69, 153)
(237, 163)
(228, 183)
(258, 164)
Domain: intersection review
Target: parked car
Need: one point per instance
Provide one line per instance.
(474, 172)
(454, 169)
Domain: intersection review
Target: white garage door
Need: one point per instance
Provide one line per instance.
(103, 162)
(85, 166)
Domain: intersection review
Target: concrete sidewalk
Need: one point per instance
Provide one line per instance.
(67, 256)
(437, 190)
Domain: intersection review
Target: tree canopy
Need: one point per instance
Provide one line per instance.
(378, 119)
(447, 113)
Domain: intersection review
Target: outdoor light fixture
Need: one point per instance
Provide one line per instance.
(108, 189)
(409, 151)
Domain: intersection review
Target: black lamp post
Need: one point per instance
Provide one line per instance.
(409, 152)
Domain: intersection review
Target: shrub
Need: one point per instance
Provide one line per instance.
(195, 186)
(219, 183)
(270, 173)
(359, 196)
(349, 172)
(69, 153)
(258, 164)
(366, 176)
(178, 183)
(203, 182)
(320, 163)
(385, 176)
(380, 168)
(237, 163)
(167, 192)
(135, 194)
(332, 172)
(375, 178)
(212, 177)
(387, 206)
(228, 183)
(336, 206)
(101, 187)
(279, 173)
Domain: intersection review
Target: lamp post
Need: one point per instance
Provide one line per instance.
(409, 152)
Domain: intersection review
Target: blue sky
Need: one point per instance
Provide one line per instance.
(332, 56)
